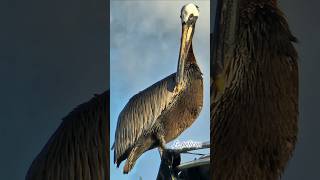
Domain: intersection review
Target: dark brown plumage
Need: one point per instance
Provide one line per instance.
(255, 113)
(78, 149)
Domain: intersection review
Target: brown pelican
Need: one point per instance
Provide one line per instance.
(78, 148)
(255, 103)
(163, 111)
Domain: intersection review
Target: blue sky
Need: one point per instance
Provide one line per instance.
(144, 41)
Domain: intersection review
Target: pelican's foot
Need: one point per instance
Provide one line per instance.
(163, 150)
(160, 151)
(171, 158)
(162, 145)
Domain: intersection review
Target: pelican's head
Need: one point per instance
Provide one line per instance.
(189, 16)
(189, 13)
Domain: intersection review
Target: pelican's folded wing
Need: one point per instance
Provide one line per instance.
(140, 113)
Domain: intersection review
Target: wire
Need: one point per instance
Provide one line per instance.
(199, 154)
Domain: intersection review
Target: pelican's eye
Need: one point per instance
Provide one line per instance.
(191, 16)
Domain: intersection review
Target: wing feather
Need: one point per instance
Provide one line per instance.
(140, 113)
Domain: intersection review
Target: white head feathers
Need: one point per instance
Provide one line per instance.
(187, 10)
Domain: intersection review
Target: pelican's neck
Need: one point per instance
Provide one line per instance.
(191, 58)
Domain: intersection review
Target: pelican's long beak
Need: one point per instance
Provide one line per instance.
(186, 39)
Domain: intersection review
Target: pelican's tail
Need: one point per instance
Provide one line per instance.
(142, 146)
